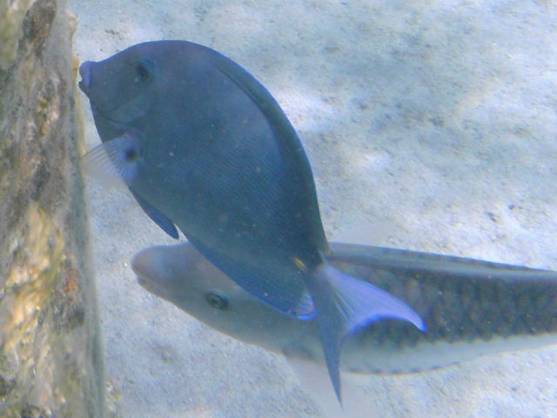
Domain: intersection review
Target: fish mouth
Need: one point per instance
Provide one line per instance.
(85, 71)
(148, 284)
(142, 265)
(145, 282)
(86, 74)
(85, 85)
(142, 280)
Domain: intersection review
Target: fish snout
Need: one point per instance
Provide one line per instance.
(85, 71)
(155, 272)
(144, 264)
(154, 265)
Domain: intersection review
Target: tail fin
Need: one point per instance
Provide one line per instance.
(346, 304)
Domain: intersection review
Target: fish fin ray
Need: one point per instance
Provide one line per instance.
(344, 306)
(110, 161)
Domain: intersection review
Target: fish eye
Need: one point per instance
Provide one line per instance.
(216, 301)
(131, 154)
(144, 70)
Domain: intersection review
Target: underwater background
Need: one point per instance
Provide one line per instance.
(429, 125)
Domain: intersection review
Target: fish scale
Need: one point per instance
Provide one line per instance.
(463, 308)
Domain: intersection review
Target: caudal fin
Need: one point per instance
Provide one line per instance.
(344, 305)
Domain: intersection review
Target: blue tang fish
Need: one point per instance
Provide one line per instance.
(203, 146)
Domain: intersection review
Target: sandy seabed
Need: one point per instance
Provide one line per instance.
(429, 125)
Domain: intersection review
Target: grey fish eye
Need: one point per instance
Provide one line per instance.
(216, 301)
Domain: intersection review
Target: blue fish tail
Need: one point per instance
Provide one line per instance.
(345, 305)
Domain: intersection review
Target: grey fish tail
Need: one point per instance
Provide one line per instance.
(344, 305)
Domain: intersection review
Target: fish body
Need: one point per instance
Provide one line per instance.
(472, 307)
(205, 147)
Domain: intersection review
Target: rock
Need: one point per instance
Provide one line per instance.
(50, 354)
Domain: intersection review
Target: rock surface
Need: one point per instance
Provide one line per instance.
(50, 356)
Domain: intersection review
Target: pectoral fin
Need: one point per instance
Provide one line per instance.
(114, 161)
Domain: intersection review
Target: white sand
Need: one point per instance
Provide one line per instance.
(430, 125)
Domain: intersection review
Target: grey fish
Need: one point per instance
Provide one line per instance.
(204, 146)
(472, 307)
